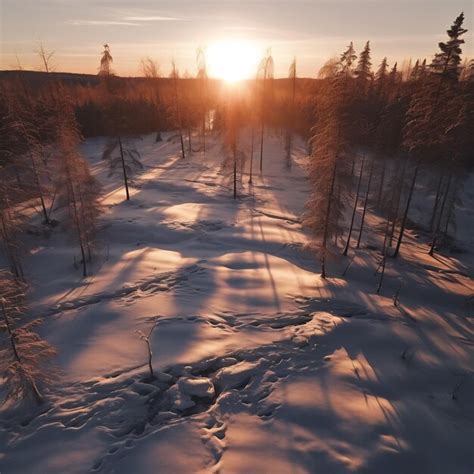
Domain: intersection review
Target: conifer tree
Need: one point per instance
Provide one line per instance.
(363, 71)
(431, 114)
(266, 75)
(235, 156)
(447, 63)
(202, 78)
(354, 210)
(123, 157)
(381, 76)
(106, 60)
(176, 106)
(10, 226)
(328, 161)
(24, 118)
(366, 201)
(152, 72)
(291, 113)
(25, 358)
(79, 191)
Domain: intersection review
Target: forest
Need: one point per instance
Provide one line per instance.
(115, 191)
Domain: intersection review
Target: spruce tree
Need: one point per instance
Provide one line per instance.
(328, 169)
(431, 114)
(363, 71)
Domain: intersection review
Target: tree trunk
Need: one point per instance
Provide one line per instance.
(346, 248)
(190, 147)
(40, 192)
(365, 204)
(262, 131)
(436, 203)
(251, 155)
(397, 207)
(234, 152)
(441, 211)
(405, 215)
(203, 125)
(326, 222)
(382, 182)
(183, 154)
(125, 179)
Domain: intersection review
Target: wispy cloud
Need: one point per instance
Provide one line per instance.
(102, 23)
(152, 18)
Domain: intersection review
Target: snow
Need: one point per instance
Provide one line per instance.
(261, 366)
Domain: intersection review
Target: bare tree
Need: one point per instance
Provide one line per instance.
(146, 338)
(46, 58)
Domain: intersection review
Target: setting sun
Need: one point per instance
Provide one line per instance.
(232, 60)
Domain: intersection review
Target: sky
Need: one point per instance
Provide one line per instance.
(311, 30)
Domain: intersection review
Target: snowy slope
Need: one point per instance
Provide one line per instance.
(262, 366)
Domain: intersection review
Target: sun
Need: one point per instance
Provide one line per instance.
(232, 60)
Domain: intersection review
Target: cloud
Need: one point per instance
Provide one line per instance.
(152, 18)
(102, 23)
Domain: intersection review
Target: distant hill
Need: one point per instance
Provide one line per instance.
(39, 77)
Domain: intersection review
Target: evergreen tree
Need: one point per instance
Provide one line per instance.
(25, 358)
(381, 76)
(291, 113)
(106, 60)
(176, 107)
(431, 114)
(363, 71)
(328, 169)
(447, 62)
(265, 72)
(203, 80)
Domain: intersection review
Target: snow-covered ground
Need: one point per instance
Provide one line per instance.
(262, 367)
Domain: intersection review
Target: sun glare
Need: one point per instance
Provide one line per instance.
(232, 60)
